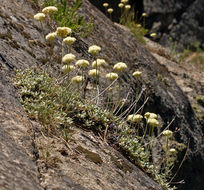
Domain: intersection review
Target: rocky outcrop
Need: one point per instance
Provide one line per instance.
(87, 162)
(181, 20)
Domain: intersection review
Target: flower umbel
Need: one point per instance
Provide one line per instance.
(39, 16)
(120, 66)
(69, 40)
(110, 10)
(82, 63)
(51, 36)
(63, 31)
(93, 72)
(94, 49)
(167, 133)
(98, 63)
(152, 122)
(153, 35)
(105, 4)
(50, 9)
(68, 58)
(77, 79)
(120, 5)
(134, 118)
(137, 74)
(112, 76)
(127, 7)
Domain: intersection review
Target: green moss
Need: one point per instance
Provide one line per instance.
(91, 156)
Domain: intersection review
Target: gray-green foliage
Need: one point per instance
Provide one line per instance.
(59, 107)
(67, 16)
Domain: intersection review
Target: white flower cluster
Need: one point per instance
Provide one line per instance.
(69, 40)
(167, 133)
(105, 4)
(51, 36)
(120, 66)
(98, 63)
(50, 10)
(93, 72)
(112, 76)
(63, 31)
(68, 58)
(94, 49)
(134, 118)
(82, 63)
(39, 16)
(137, 74)
(77, 79)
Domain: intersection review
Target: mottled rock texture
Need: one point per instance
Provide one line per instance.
(181, 20)
(87, 162)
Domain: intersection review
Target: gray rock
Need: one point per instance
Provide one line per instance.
(181, 20)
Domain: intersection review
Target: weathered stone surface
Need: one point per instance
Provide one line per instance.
(167, 100)
(22, 162)
(71, 166)
(181, 20)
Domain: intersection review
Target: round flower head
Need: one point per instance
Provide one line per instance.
(98, 62)
(150, 115)
(172, 150)
(39, 16)
(77, 79)
(147, 114)
(153, 116)
(144, 14)
(51, 36)
(68, 58)
(153, 122)
(69, 40)
(167, 133)
(68, 68)
(105, 4)
(82, 63)
(120, 66)
(112, 76)
(134, 118)
(63, 31)
(121, 5)
(153, 35)
(124, 1)
(94, 49)
(49, 9)
(138, 25)
(93, 72)
(110, 10)
(137, 74)
(127, 7)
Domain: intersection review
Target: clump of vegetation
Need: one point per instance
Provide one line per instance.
(59, 105)
(66, 15)
(193, 53)
(129, 19)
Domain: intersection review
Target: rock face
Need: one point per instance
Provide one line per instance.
(181, 20)
(87, 162)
